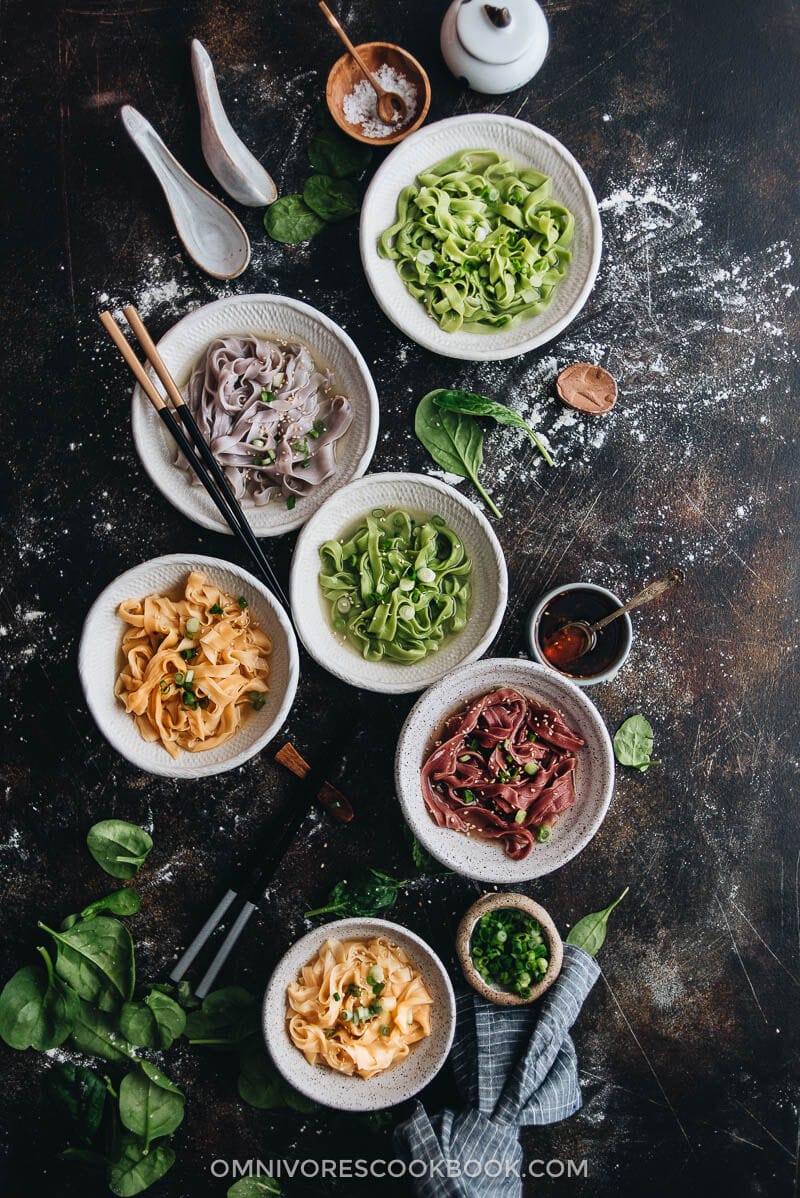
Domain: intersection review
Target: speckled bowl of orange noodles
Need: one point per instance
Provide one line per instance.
(188, 664)
(359, 1014)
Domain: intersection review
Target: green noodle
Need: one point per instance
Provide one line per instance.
(479, 242)
(398, 586)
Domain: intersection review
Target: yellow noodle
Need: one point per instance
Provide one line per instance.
(232, 664)
(368, 1046)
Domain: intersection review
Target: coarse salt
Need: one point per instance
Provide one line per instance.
(360, 106)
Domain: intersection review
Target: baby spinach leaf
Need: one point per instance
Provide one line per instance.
(254, 1187)
(589, 933)
(423, 860)
(633, 743)
(121, 902)
(95, 1034)
(290, 220)
(226, 1017)
(155, 1022)
(454, 441)
(368, 893)
(260, 1085)
(36, 1009)
(137, 1168)
(149, 1104)
(118, 847)
(331, 153)
(332, 199)
(96, 960)
(76, 1098)
(469, 404)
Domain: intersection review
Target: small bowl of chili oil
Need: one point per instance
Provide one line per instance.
(580, 601)
(509, 948)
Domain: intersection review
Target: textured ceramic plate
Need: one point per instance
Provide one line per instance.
(397, 1083)
(336, 519)
(523, 144)
(181, 349)
(594, 773)
(100, 658)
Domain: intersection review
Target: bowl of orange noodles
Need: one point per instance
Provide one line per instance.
(189, 665)
(359, 1014)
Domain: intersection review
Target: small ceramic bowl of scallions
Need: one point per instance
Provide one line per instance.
(509, 948)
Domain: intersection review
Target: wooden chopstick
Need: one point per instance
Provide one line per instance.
(219, 492)
(331, 798)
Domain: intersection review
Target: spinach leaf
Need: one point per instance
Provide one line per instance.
(423, 860)
(155, 1022)
(260, 1085)
(332, 199)
(149, 1104)
(137, 1168)
(331, 153)
(226, 1017)
(96, 960)
(369, 892)
(121, 902)
(181, 993)
(469, 404)
(633, 743)
(76, 1097)
(95, 1034)
(290, 220)
(589, 933)
(455, 442)
(118, 847)
(254, 1187)
(36, 1009)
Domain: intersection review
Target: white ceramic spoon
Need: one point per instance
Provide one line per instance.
(212, 235)
(228, 158)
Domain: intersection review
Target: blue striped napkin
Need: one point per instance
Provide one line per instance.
(515, 1066)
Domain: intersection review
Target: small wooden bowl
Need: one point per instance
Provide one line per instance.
(345, 74)
(503, 900)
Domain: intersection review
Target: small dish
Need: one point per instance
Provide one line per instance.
(621, 630)
(345, 74)
(473, 856)
(396, 1084)
(418, 494)
(502, 901)
(99, 660)
(181, 347)
(523, 144)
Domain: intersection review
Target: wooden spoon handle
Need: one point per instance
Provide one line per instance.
(674, 578)
(334, 23)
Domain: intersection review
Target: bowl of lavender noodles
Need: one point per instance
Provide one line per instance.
(284, 399)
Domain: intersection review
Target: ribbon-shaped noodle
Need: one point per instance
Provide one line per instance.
(479, 241)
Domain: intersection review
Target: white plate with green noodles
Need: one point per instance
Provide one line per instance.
(480, 237)
(396, 580)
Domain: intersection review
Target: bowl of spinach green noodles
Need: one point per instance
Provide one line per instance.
(395, 581)
(480, 237)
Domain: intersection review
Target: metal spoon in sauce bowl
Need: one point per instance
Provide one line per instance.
(573, 640)
(391, 106)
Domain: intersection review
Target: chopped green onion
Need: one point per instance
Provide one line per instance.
(257, 698)
(330, 1032)
(180, 679)
(267, 396)
(242, 602)
(469, 796)
(337, 997)
(215, 610)
(258, 442)
(531, 767)
(519, 818)
(426, 575)
(544, 833)
(290, 502)
(385, 1031)
(192, 625)
(188, 654)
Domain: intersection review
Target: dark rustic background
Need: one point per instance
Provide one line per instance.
(684, 115)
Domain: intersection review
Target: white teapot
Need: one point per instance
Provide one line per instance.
(494, 48)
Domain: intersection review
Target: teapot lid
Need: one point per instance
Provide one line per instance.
(502, 32)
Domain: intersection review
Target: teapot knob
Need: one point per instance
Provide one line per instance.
(500, 17)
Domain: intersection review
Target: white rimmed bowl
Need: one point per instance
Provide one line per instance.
(398, 1083)
(100, 659)
(337, 518)
(181, 348)
(525, 145)
(594, 773)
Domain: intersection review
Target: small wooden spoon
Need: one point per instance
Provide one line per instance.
(581, 637)
(391, 106)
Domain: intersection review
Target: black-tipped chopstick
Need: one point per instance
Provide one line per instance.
(198, 455)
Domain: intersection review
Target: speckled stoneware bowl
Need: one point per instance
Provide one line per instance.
(625, 641)
(100, 659)
(594, 772)
(337, 518)
(397, 1083)
(502, 901)
(524, 145)
(182, 347)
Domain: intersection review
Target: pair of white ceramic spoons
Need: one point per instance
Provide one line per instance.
(213, 237)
